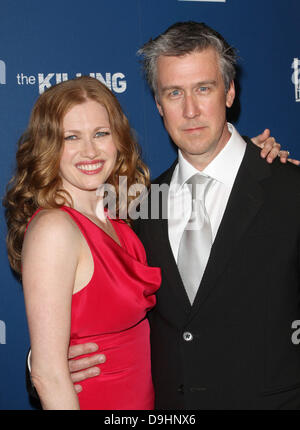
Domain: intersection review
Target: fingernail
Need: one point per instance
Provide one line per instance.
(101, 358)
(93, 347)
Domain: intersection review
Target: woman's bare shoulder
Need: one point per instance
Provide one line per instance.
(50, 225)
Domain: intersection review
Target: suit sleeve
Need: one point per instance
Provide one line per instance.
(33, 395)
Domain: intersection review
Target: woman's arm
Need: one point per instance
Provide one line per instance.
(50, 256)
(271, 149)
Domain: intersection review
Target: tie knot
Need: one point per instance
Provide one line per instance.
(199, 184)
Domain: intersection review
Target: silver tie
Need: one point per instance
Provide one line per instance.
(196, 240)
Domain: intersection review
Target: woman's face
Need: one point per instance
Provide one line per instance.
(89, 153)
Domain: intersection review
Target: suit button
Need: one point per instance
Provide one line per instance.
(187, 336)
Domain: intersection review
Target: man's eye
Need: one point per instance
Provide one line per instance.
(174, 93)
(203, 89)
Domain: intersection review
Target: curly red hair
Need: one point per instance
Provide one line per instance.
(37, 182)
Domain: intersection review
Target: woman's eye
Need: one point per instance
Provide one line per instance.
(102, 133)
(72, 137)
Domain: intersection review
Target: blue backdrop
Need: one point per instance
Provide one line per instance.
(42, 43)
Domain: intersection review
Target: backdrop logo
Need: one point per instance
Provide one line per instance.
(2, 332)
(114, 81)
(296, 78)
(2, 72)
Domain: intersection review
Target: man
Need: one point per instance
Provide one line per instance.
(226, 345)
(223, 339)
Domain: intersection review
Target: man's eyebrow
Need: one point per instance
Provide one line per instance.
(170, 87)
(202, 83)
(179, 87)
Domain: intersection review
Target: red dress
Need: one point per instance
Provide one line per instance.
(111, 311)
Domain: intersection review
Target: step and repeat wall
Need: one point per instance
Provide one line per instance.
(45, 42)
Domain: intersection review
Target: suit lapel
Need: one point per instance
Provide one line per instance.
(244, 202)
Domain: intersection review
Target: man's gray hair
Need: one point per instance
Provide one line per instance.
(184, 38)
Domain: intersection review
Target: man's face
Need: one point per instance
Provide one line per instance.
(192, 101)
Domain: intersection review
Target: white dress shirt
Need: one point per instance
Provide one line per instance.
(223, 169)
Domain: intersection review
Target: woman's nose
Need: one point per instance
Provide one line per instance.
(89, 148)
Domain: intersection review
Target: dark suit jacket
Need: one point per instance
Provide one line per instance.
(241, 355)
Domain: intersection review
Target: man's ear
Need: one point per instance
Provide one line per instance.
(159, 107)
(230, 96)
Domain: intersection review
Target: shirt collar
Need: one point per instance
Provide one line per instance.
(223, 168)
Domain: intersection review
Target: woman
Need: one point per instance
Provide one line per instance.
(85, 278)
